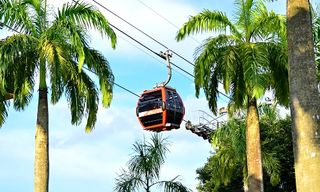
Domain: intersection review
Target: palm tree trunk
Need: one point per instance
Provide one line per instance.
(147, 182)
(304, 96)
(253, 148)
(41, 178)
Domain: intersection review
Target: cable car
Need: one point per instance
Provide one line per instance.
(160, 109)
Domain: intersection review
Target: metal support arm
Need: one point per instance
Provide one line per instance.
(166, 55)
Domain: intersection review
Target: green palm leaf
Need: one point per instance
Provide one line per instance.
(206, 21)
(97, 63)
(18, 60)
(85, 15)
(127, 182)
(16, 15)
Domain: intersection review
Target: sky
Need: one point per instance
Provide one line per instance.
(90, 162)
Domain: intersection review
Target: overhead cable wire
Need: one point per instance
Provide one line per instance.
(155, 58)
(122, 87)
(135, 40)
(146, 47)
(116, 84)
(164, 18)
(161, 16)
(141, 31)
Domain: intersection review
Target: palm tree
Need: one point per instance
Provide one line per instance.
(247, 57)
(144, 168)
(304, 95)
(227, 166)
(53, 51)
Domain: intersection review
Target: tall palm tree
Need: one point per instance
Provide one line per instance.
(53, 51)
(227, 166)
(247, 57)
(304, 95)
(144, 168)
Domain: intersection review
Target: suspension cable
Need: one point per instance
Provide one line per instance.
(144, 33)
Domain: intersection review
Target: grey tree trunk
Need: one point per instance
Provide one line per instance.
(253, 148)
(304, 96)
(41, 165)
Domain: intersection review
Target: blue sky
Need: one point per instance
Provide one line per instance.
(90, 162)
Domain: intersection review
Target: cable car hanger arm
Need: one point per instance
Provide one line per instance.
(166, 55)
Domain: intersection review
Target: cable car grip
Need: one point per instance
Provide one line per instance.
(166, 55)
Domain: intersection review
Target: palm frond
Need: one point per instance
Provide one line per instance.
(96, 62)
(127, 182)
(4, 104)
(14, 46)
(229, 142)
(82, 95)
(139, 162)
(57, 53)
(272, 165)
(266, 24)
(206, 21)
(268, 114)
(18, 60)
(174, 186)
(92, 101)
(86, 16)
(75, 36)
(238, 88)
(35, 4)
(244, 16)
(255, 62)
(149, 157)
(210, 66)
(157, 149)
(76, 101)
(278, 63)
(16, 15)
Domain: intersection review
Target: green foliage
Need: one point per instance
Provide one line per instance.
(144, 168)
(248, 55)
(227, 166)
(316, 35)
(56, 50)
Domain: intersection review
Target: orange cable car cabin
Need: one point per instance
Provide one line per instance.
(160, 109)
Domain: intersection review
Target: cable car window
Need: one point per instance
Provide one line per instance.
(149, 101)
(170, 100)
(173, 101)
(178, 101)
